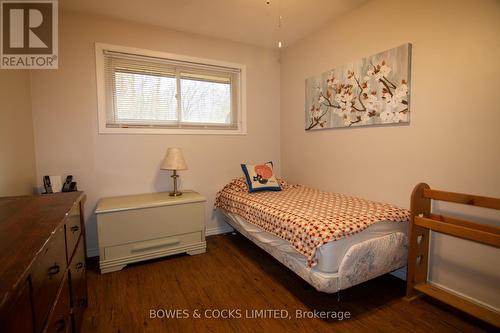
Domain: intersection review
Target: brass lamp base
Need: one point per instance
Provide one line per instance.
(175, 193)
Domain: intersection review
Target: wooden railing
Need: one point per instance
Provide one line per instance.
(423, 221)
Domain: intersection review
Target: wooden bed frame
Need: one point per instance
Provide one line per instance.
(422, 221)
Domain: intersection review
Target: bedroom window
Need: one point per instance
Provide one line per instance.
(157, 93)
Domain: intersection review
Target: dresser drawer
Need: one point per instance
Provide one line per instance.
(77, 270)
(60, 315)
(121, 227)
(19, 318)
(46, 276)
(154, 245)
(73, 230)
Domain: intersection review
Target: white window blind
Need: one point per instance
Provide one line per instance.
(143, 91)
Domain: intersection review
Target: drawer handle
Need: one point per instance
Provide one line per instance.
(75, 228)
(60, 325)
(139, 248)
(79, 265)
(54, 270)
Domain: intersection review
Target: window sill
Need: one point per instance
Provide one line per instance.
(171, 131)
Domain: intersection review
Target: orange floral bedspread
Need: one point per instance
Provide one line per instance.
(305, 217)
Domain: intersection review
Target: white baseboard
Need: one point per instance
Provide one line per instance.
(93, 252)
(218, 230)
(400, 273)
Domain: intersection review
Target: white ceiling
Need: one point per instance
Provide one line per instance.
(248, 21)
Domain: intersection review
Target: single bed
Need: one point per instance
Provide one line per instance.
(330, 240)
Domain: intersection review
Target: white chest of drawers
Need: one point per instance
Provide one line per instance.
(146, 226)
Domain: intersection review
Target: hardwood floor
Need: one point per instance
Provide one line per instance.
(236, 274)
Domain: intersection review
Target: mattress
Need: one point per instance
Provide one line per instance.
(361, 262)
(330, 255)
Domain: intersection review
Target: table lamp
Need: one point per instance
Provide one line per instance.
(174, 160)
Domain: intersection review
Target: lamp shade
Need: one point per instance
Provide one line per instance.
(174, 160)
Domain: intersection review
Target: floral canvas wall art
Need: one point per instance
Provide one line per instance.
(371, 91)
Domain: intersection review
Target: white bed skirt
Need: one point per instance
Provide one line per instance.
(362, 261)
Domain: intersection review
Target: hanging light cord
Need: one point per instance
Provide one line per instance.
(280, 22)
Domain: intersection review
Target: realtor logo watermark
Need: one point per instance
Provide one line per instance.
(29, 34)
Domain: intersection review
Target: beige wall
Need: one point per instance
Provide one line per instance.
(453, 141)
(17, 155)
(65, 118)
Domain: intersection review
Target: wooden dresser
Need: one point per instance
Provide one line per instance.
(42, 256)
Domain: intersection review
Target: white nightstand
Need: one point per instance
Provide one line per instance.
(146, 226)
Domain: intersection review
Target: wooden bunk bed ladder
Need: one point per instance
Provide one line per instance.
(422, 222)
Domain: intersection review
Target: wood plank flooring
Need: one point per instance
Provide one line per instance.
(236, 274)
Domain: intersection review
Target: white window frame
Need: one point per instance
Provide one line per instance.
(100, 48)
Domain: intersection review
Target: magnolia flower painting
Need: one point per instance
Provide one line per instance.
(371, 91)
